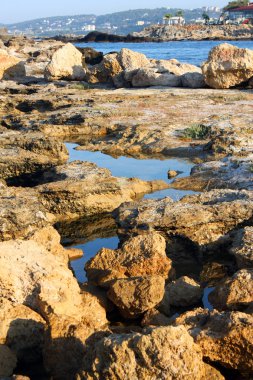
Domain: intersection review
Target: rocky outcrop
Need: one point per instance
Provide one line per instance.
(132, 69)
(229, 172)
(225, 338)
(196, 32)
(134, 356)
(203, 219)
(26, 155)
(234, 293)
(11, 67)
(228, 66)
(242, 247)
(135, 295)
(83, 189)
(140, 256)
(66, 64)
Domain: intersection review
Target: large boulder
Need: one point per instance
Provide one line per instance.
(132, 60)
(135, 295)
(228, 66)
(66, 64)
(11, 67)
(143, 255)
(159, 353)
(242, 247)
(106, 71)
(235, 293)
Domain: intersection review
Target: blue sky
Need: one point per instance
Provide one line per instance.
(20, 10)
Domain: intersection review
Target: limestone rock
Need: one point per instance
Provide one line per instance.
(230, 173)
(154, 317)
(228, 66)
(242, 247)
(202, 218)
(66, 64)
(193, 80)
(159, 353)
(8, 361)
(143, 255)
(11, 67)
(90, 56)
(22, 214)
(173, 66)
(105, 71)
(131, 60)
(34, 276)
(226, 338)
(183, 292)
(83, 189)
(234, 293)
(135, 295)
(149, 77)
(67, 332)
(22, 329)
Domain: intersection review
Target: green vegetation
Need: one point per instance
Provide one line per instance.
(168, 16)
(206, 18)
(235, 4)
(196, 132)
(180, 13)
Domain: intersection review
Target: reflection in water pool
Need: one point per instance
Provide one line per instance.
(146, 169)
(90, 249)
(205, 300)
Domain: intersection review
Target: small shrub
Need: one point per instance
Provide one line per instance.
(196, 132)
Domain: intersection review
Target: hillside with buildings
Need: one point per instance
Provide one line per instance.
(115, 23)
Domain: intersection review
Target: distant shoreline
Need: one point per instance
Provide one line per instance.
(165, 34)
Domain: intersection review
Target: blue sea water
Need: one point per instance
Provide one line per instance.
(194, 52)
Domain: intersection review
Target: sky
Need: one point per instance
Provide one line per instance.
(13, 11)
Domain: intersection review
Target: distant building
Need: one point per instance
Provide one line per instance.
(174, 21)
(241, 13)
(89, 28)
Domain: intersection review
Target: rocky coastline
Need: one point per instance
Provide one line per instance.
(165, 33)
(162, 33)
(143, 312)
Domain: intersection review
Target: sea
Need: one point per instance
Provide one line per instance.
(194, 52)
